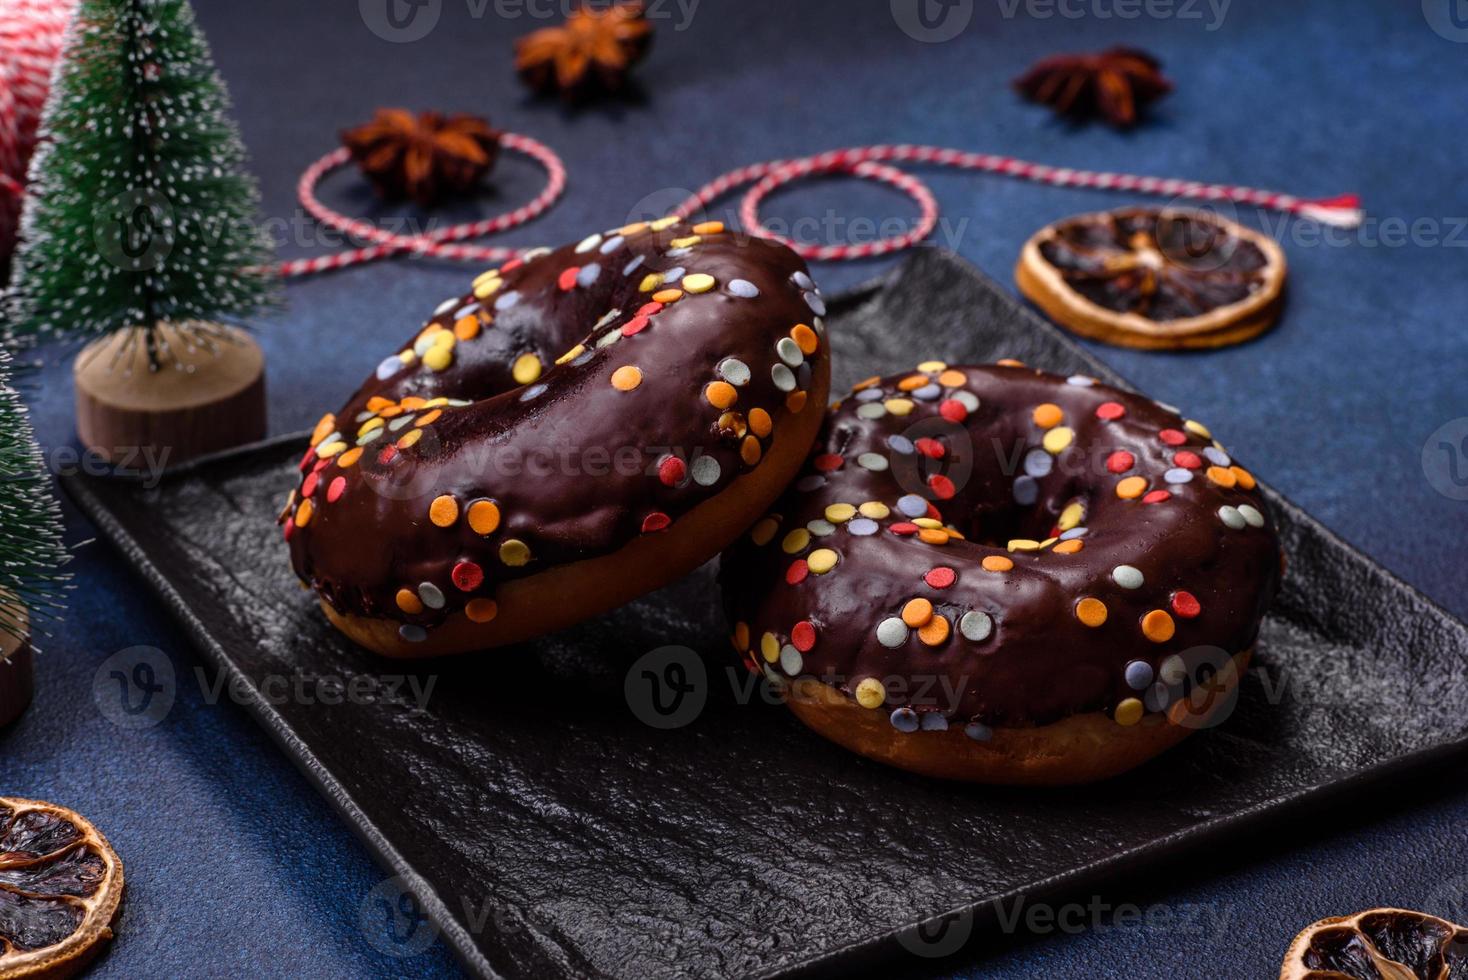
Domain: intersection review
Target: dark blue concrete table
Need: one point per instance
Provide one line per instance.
(236, 866)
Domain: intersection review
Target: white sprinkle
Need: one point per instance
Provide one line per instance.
(431, 595)
(911, 505)
(1172, 670)
(734, 371)
(791, 661)
(783, 377)
(816, 304)
(1178, 475)
(802, 280)
(388, 367)
(588, 243)
(892, 633)
(967, 399)
(1232, 517)
(1127, 576)
(743, 288)
(445, 306)
(464, 311)
(789, 352)
(673, 275)
(821, 528)
(705, 471)
(976, 626)
(871, 410)
(862, 527)
(875, 462)
(1252, 515)
(1080, 381)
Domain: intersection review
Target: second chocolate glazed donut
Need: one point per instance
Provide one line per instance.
(583, 426)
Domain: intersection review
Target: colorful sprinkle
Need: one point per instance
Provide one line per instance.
(481, 610)
(822, 560)
(1131, 487)
(891, 633)
(627, 377)
(870, 693)
(1127, 576)
(1158, 626)
(1185, 604)
(1129, 712)
(975, 626)
(1091, 611)
(514, 552)
(1047, 416)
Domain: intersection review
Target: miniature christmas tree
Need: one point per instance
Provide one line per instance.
(139, 212)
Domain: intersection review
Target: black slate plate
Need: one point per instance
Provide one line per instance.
(554, 832)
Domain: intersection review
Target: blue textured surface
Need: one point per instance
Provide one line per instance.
(236, 866)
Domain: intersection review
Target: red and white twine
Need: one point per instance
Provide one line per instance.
(31, 34)
(868, 162)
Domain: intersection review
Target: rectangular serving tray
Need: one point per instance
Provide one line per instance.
(546, 830)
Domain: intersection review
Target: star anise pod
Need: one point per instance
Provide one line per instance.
(1116, 84)
(593, 50)
(427, 157)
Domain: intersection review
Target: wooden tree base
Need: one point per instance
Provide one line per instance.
(206, 393)
(16, 675)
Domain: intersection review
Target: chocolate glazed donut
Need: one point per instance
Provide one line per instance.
(582, 427)
(1004, 576)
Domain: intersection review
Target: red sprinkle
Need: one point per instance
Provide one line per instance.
(388, 454)
(306, 459)
(826, 462)
(1185, 604)
(467, 576)
(1172, 437)
(942, 486)
(934, 512)
(904, 528)
(567, 281)
(953, 410)
(797, 572)
(321, 464)
(308, 489)
(1120, 461)
(672, 470)
(648, 309)
(941, 577)
(1156, 497)
(1186, 460)
(803, 636)
(290, 527)
(1110, 410)
(931, 448)
(635, 325)
(512, 265)
(336, 489)
(656, 521)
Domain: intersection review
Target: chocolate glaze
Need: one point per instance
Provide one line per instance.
(1039, 663)
(571, 461)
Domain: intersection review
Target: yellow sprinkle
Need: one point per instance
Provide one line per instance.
(685, 242)
(795, 541)
(898, 406)
(874, 509)
(1198, 429)
(821, 561)
(572, 354)
(407, 357)
(763, 531)
(1129, 712)
(633, 228)
(1023, 544)
(650, 282)
(438, 402)
(444, 338)
(930, 522)
(330, 449)
(485, 276)
(662, 223)
(840, 513)
(1057, 439)
(769, 647)
(526, 368)
(933, 366)
(410, 439)
(369, 425)
(870, 693)
(488, 288)
(699, 282)
(1071, 516)
(438, 358)
(515, 552)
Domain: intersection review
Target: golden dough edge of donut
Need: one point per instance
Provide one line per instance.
(567, 594)
(1084, 748)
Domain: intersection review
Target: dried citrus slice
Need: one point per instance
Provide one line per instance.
(1379, 944)
(1154, 277)
(60, 890)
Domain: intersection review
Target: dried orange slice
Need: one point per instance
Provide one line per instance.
(1379, 944)
(1154, 277)
(60, 890)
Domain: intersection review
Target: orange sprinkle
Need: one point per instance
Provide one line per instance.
(484, 516)
(1068, 547)
(1221, 476)
(760, 422)
(866, 383)
(917, 612)
(1131, 488)
(429, 418)
(750, 450)
(721, 394)
(413, 402)
(805, 337)
(323, 428)
(444, 511)
(932, 535)
(1048, 415)
(795, 402)
(390, 411)
(732, 423)
(934, 632)
(349, 458)
(303, 513)
(1157, 626)
(1009, 362)
(708, 227)
(626, 377)
(409, 602)
(377, 403)
(996, 563)
(912, 382)
(667, 296)
(481, 610)
(953, 379)
(1244, 477)
(1091, 612)
(741, 636)
(466, 327)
